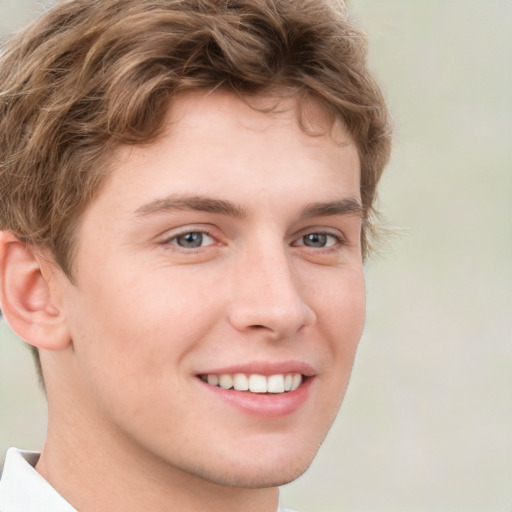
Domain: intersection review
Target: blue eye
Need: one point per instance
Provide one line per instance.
(192, 240)
(318, 240)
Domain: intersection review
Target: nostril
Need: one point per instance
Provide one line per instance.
(261, 327)
(263, 317)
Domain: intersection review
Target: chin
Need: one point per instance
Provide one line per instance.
(259, 474)
(274, 478)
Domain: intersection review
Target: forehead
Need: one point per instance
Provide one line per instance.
(210, 115)
(213, 142)
(308, 117)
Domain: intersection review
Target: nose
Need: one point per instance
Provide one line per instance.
(268, 297)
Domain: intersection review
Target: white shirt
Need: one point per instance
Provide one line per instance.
(23, 489)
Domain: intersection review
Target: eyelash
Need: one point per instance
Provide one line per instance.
(336, 240)
(173, 239)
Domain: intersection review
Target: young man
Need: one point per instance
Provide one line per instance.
(187, 191)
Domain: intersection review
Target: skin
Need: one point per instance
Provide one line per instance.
(131, 425)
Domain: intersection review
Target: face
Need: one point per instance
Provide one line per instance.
(219, 293)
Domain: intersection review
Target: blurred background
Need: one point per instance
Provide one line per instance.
(427, 421)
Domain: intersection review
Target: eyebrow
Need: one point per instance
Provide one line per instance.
(347, 206)
(191, 203)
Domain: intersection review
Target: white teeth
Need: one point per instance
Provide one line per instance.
(240, 382)
(213, 380)
(275, 384)
(296, 381)
(225, 381)
(256, 383)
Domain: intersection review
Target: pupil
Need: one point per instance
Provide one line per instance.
(315, 240)
(190, 240)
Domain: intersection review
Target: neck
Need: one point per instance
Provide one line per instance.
(92, 478)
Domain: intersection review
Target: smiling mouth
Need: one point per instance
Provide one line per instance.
(255, 383)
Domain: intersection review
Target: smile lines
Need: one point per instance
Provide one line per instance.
(255, 383)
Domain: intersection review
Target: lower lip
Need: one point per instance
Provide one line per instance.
(268, 405)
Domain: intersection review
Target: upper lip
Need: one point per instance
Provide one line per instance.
(265, 368)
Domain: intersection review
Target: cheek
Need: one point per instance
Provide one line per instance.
(341, 302)
(341, 316)
(137, 327)
(340, 320)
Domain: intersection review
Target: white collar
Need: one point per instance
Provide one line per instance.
(23, 489)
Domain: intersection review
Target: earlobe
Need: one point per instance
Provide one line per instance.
(29, 302)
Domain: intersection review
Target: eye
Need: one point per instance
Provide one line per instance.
(192, 240)
(318, 240)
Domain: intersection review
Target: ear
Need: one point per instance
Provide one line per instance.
(29, 295)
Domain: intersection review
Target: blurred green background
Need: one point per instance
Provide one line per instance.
(427, 422)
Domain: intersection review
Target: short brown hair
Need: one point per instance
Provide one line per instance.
(91, 75)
